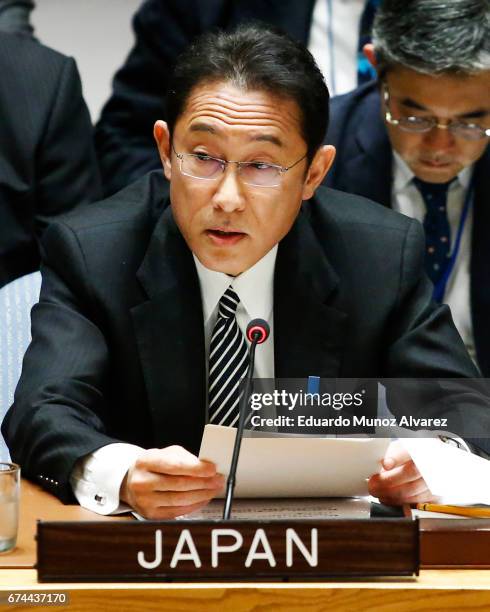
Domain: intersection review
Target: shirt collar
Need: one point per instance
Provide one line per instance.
(254, 287)
(402, 175)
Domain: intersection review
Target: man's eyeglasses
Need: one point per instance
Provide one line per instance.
(258, 174)
(460, 129)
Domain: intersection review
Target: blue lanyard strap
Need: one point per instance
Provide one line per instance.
(440, 287)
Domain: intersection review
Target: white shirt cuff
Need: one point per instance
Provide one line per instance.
(96, 478)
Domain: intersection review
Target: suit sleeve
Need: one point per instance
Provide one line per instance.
(67, 168)
(58, 415)
(435, 375)
(124, 134)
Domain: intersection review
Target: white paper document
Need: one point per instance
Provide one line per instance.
(295, 466)
(276, 509)
(452, 474)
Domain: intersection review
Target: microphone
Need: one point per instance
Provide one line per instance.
(257, 332)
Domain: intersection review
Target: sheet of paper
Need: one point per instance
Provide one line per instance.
(253, 509)
(454, 475)
(295, 467)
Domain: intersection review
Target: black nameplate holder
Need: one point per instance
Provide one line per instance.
(197, 550)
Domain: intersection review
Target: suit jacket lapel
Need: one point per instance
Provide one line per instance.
(308, 329)
(308, 332)
(293, 17)
(170, 337)
(480, 258)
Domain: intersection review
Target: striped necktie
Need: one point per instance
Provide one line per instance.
(228, 363)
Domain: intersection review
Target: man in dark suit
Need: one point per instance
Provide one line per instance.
(138, 337)
(332, 30)
(47, 158)
(417, 140)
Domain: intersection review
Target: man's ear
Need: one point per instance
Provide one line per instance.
(319, 167)
(369, 52)
(162, 138)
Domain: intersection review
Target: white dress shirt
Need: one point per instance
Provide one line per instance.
(97, 477)
(406, 198)
(333, 42)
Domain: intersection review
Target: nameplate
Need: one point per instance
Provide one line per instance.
(225, 550)
(454, 543)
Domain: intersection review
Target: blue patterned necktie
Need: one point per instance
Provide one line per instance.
(365, 72)
(436, 225)
(228, 363)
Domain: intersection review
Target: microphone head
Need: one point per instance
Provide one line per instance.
(258, 330)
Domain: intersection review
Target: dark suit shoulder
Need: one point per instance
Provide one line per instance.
(354, 97)
(98, 248)
(32, 78)
(18, 50)
(364, 157)
(361, 238)
(138, 204)
(347, 210)
(349, 109)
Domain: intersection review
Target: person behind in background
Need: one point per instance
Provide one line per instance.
(138, 338)
(47, 157)
(14, 16)
(417, 141)
(333, 30)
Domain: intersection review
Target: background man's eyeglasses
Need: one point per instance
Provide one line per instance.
(460, 129)
(208, 168)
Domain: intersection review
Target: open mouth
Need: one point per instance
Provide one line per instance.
(433, 163)
(223, 237)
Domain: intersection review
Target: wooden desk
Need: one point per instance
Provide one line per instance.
(37, 504)
(433, 590)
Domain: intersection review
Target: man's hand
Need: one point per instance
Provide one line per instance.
(399, 481)
(168, 482)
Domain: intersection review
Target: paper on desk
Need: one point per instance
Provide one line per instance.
(283, 509)
(270, 509)
(295, 467)
(456, 476)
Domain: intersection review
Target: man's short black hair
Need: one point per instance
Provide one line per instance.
(255, 57)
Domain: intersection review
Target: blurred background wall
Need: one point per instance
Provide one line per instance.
(97, 33)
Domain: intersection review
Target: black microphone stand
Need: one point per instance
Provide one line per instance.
(242, 413)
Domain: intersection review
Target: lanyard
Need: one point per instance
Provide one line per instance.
(440, 286)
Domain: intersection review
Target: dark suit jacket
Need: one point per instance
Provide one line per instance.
(47, 158)
(364, 166)
(118, 336)
(163, 29)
